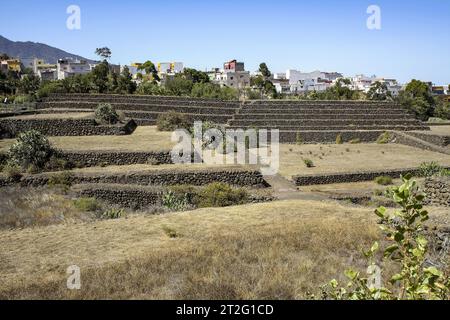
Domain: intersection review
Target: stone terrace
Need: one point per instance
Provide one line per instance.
(325, 116)
(145, 109)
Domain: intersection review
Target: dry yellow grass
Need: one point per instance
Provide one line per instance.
(274, 250)
(330, 158)
(440, 130)
(142, 139)
(63, 115)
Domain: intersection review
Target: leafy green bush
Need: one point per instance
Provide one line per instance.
(63, 179)
(175, 202)
(405, 230)
(219, 194)
(12, 172)
(442, 110)
(429, 169)
(112, 213)
(172, 120)
(150, 88)
(87, 204)
(50, 87)
(31, 148)
(355, 141)
(383, 180)
(384, 138)
(105, 113)
(339, 139)
(308, 163)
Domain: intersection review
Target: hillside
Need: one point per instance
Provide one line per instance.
(28, 49)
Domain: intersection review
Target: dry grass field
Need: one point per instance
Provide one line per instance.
(330, 158)
(275, 250)
(142, 139)
(68, 115)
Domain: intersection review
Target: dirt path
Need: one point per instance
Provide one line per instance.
(284, 189)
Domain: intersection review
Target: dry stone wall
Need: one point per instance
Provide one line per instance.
(10, 128)
(437, 190)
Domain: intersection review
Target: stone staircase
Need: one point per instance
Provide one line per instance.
(304, 116)
(146, 109)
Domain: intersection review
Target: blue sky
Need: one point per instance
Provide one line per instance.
(414, 40)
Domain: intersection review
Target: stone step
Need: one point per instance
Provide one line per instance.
(129, 100)
(331, 122)
(301, 116)
(321, 111)
(336, 128)
(141, 107)
(322, 105)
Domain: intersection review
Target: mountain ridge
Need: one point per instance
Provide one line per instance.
(29, 49)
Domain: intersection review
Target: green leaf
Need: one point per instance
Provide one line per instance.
(380, 212)
(421, 241)
(351, 274)
(434, 271)
(390, 250)
(374, 247)
(399, 236)
(397, 277)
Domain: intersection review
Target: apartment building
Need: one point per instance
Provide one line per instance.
(232, 75)
(69, 67)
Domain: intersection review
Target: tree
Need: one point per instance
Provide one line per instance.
(195, 76)
(179, 86)
(29, 84)
(125, 83)
(378, 91)
(104, 52)
(99, 77)
(150, 69)
(417, 97)
(264, 70)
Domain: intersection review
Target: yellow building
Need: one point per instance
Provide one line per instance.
(13, 65)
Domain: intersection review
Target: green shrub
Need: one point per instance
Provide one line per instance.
(415, 278)
(298, 138)
(308, 163)
(23, 99)
(55, 163)
(383, 180)
(170, 232)
(105, 113)
(87, 204)
(63, 179)
(428, 169)
(12, 172)
(442, 110)
(355, 141)
(31, 148)
(175, 202)
(112, 213)
(172, 120)
(383, 138)
(339, 139)
(219, 194)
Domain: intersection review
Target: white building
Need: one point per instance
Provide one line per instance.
(69, 67)
(232, 75)
(302, 82)
(364, 83)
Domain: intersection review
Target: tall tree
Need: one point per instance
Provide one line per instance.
(125, 83)
(104, 52)
(264, 70)
(150, 69)
(378, 91)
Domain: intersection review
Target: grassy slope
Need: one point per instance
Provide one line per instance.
(273, 250)
(353, 157)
